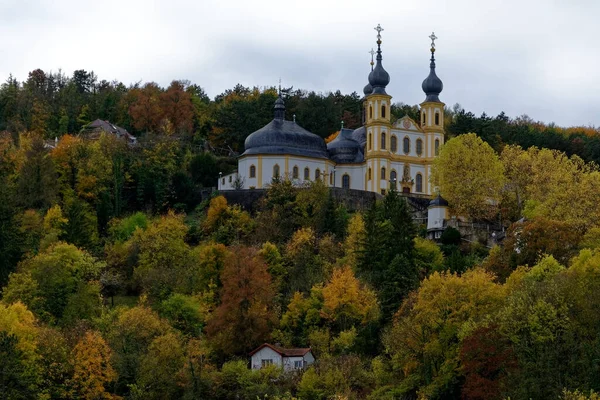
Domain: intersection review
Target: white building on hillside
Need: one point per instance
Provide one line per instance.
(288, 359)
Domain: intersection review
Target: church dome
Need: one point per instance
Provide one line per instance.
(360, 135)
(284, 137)
(379, 78)
(432, 85)
(368, 89)
(344, 149)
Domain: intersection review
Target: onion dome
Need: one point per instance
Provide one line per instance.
(344, 149)
(432, 85)
(439, 201)
(360, 135)
(284, 137)
(379, 78)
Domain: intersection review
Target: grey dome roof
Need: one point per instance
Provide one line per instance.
(368, 89)
(360, 135)
(432, 85)
(379, 78)
(284, 137)
(344, 149)
(439, 201)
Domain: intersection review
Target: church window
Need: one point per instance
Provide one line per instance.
(383, 173)
(437, 118)
(419, 183)
(230, 179)
(437, 147)
(295, 172)
(419, 146)
(370, 142)
(423, 118)
(252, 171)
(346, 181)
(317, 174)
(383, 141)
(394, 144)
(371, 112)
(369, 174)
(393, 178)
(382, 111)
(276, 171)
(306, 174)
(406, 145)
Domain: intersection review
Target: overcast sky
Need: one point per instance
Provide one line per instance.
(534, 57)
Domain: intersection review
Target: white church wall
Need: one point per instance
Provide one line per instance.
(355, 172)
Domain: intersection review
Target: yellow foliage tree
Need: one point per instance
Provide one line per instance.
(470, 176)
(92, 370)
(354, 243)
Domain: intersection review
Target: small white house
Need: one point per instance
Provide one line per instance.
(288, 359)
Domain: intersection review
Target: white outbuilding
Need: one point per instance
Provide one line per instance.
(289, 359)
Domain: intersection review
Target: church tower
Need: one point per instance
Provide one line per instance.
(378, 125)
(432, 109)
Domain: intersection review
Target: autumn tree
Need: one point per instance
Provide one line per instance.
(37, 177)
(145, 112)
(176, 105)
(245, 316)
(92, 370)
(470, 176)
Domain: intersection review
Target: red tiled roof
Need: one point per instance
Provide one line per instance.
(284, 352)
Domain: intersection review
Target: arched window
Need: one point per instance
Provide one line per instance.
(276, 171)
(306, 174)
(419, 147)
(393, 178)
(317, 174)
(252, 171)
(437, 118)
(346, 181)
(371, 112)
(369, 174)
(383, 173)
(406, 145)
(419, 183)
(394, 144)
(295, 172)
(437, 147)
(382, 111)
(383, 141)
(423, 118)
(370, 142)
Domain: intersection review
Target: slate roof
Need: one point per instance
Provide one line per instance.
(298, 352)
(344, 149)
(108, 127)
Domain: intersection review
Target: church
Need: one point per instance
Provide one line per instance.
(375, 157)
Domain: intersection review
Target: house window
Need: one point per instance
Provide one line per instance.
(419, 146)
(383, 141)
(383, 173)
(266, 361)
(223, 181)
(298, 364)
(306, 174)
(419, 183)
(406, 144)
(295, 172)
(331, 178)
(370, 142)
(382, 111)
(437, 118)
(252, 171)
(346, 181)
(317, 174)
(437, 147)
(393, 177)
(276, 171)
(229, 178)
(394, 144)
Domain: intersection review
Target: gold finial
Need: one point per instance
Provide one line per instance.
(433, 38)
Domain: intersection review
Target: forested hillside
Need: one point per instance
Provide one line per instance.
(119, 282)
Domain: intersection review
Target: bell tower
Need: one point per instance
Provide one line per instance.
(378, 124)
